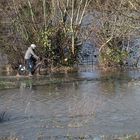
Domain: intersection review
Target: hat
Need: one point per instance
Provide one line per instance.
(33, 46)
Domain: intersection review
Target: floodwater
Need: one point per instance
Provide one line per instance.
(86, 109)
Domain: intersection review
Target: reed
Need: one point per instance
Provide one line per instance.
(3, 116)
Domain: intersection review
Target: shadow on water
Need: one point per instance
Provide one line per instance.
(100, 104)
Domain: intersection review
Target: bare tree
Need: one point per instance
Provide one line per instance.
(115, 22)
(51, 24)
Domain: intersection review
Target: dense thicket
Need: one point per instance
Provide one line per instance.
(49, 24)
(119, 24)
(57, 27)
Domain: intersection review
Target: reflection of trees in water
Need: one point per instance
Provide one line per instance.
(112, 86)
(82, 108)
(68, 98)
(84, 105)
(114, 81)
(60, 90)
(86, 102)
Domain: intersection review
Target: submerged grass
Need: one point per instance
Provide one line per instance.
(9, 138)
(3, 117)
(126, 137)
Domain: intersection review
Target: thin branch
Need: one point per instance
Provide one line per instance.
(44, 13)
(78, 12)
(105, 43)
(32, 14)
(86, 4)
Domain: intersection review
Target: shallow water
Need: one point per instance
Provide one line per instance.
(80, 109)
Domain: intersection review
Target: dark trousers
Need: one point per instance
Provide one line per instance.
(30, 65)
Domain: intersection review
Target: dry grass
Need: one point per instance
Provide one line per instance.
(9, 138)
(126, 137)
(3, 116)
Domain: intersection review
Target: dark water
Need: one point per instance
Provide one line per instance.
(81, 109)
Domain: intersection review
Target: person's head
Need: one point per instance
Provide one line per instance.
(33, 46)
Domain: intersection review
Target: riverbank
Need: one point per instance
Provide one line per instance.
(10, 81)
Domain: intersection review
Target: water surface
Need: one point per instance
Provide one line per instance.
(86, 108)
